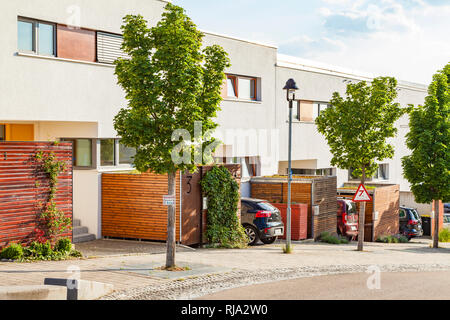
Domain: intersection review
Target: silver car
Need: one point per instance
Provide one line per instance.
(447, 221)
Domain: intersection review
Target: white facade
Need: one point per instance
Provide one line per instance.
(66, 98)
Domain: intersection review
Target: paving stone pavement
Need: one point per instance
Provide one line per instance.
(128, 271)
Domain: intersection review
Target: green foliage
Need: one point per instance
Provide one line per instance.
(14, 252)
(328, 238)
(223, 226)
(63, 245)
(44, 251)
(54, 219)
(393, 239)
(444, 235)
(428, 167)
(357, 127)
(170, 83)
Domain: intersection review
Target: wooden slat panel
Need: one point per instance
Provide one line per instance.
(23, 186)
(132, 206)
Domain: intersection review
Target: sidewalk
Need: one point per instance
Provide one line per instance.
(135, 270)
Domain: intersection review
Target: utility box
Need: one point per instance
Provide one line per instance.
(299, 220)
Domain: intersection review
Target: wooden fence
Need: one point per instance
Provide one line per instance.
(24, 188)
(313, 191)
(132, 206)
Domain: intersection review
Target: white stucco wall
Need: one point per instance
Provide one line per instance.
(309, 144)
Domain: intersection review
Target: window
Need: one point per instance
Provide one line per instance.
(318, 107)
(231, 87)
(381, 174)
(296, 110)
(244, 88)
(36, 37)
(25, 36)
(313, 172)
(126, 154)
(82, 152)
(402, 214)
(107, 152)
(2, 132)
(109, 47)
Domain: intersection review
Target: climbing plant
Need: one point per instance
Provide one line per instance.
(223, 226)
(53, 219)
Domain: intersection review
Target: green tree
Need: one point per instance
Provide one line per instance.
(357, 127)
(170, 82)
(428, 166)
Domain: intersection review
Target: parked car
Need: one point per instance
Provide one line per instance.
(347, 219)
(410, 223)
(447, 221)
(261, 221)
(447, 208)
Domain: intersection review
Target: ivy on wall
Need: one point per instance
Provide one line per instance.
(54, 220)
(223, 226)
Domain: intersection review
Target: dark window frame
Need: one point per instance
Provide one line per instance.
(93, 153)
(35, 24)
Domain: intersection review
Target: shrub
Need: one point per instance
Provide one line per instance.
(63, 245)
(444, 235)
(328, 238)
(39, 251)
(222, 192)
(14, 251)
(393, 239)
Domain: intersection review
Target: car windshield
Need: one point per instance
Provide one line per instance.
(447, 219)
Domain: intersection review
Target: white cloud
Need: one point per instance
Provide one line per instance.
(407, 39)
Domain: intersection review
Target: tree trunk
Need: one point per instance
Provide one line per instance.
(170, 256)
(362, 216)
(436, 224)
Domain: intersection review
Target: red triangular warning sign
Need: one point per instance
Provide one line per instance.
(362, 195)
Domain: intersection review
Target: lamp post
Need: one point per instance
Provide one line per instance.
(290, 88)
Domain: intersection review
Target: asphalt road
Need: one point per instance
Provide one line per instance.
(406, 285)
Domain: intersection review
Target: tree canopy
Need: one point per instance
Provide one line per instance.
(357, 127)
(170, 82)
(428, 166)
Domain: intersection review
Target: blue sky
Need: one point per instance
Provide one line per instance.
(408, 39)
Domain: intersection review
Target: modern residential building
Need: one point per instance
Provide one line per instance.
(57, 82)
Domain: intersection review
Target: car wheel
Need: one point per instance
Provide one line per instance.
(269, 240)
(252, 234)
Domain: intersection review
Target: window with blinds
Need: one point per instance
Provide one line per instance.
(109, 47)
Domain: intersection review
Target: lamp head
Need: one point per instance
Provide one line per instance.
(290, 88)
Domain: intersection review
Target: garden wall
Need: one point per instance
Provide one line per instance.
(24, 187)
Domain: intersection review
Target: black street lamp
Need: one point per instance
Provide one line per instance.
(290, 88)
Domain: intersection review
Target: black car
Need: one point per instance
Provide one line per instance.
(447, 208)
(410, 223)
(261, 221)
